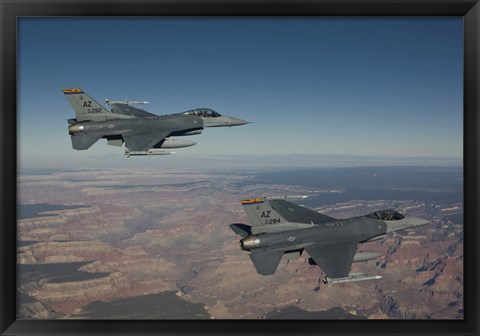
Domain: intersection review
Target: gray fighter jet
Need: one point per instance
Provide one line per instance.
(282, 228)
(144, 133)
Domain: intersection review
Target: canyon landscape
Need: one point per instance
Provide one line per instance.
(118, 243)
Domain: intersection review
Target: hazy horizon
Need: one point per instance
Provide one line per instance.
(238, 162)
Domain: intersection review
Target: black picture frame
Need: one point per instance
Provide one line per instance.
(11, 10)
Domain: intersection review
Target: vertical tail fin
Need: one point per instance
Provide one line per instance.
(261, 214)
(85, 107)
(267, 214)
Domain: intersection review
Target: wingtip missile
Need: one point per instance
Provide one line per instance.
(124, 102)
(292, 197)
(354, 278)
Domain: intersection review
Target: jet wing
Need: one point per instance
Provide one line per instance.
(334, 259)
(143, 141)
(298, 214)
(130, 110)
(266, 262)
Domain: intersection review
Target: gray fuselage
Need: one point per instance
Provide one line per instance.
(172, 123)
(359, 229)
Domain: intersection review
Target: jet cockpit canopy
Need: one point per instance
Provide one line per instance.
(203, 113)
(388, 214)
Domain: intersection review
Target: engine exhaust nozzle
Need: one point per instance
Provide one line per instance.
(75, 128)
(249, 243)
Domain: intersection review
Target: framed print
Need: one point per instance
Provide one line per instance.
(223, 167)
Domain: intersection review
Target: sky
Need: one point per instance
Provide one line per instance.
(309, 85)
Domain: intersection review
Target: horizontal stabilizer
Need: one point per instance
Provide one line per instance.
(241, 229)
(84, 141)
(266, 262)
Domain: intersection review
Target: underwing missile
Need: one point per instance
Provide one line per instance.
(149, 152)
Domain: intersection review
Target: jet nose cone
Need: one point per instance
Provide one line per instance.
(222, 121)
(417, 221)
(236, 121)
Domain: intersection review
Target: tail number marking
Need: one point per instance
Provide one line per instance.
(266, 214)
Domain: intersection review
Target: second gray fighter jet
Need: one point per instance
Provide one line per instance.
(281, 228)
(143, 133)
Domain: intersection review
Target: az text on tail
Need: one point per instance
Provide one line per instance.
(265, 218)
(86, 108)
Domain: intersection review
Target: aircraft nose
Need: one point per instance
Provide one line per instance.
(236, 121)
(417, 221)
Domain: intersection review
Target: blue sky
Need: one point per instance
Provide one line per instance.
(347, 86)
